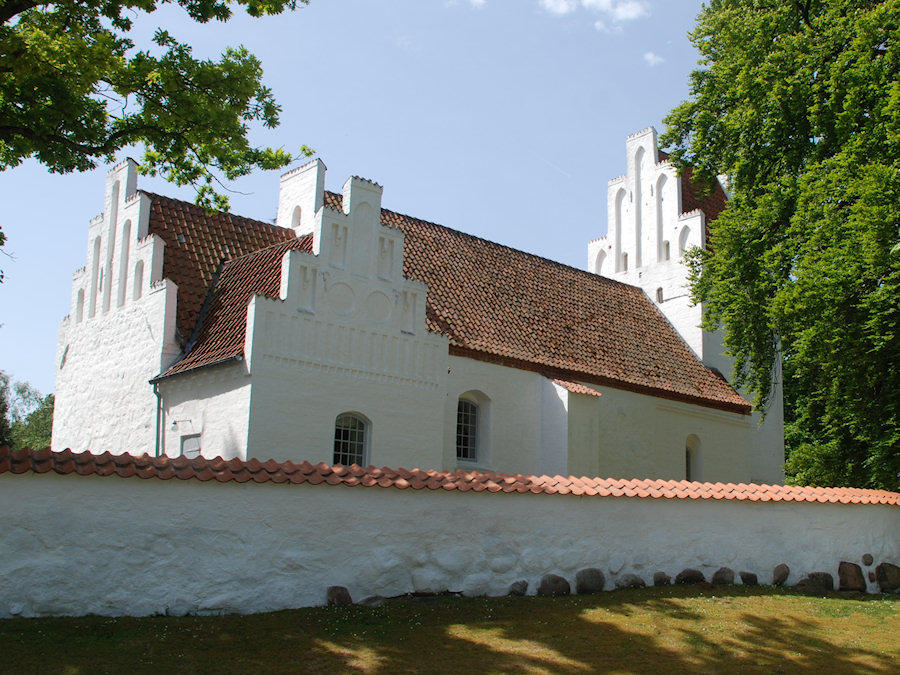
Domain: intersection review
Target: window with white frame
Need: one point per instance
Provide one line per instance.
(467, 430)
(350, 440)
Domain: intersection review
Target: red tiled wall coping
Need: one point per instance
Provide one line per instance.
(270, 471)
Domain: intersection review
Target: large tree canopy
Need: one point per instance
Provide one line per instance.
(798, 102)
(73, 91)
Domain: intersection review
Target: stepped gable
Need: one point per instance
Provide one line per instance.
(196, 243)
(239, 471)
(222, 328)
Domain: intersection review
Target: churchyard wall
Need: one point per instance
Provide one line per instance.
(91, 544)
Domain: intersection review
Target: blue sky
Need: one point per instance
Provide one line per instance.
(501, 118)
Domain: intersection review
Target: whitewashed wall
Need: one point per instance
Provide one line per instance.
(213, 403)
(75, 545)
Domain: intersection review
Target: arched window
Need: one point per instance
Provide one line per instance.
(123, 263)
(598, 262)
(467, 430)
(683, 239)
(95, 277)
(659, 295)
(624, 262)
(351, 438)
(665, 250)
(79, 306)
(138, 280)
(692, 458)
(295, 218)
(620, 199)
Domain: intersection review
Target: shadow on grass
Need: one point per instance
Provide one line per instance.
(674, 629)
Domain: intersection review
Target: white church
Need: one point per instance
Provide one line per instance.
(348, 333)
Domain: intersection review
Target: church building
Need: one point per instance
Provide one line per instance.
(348, 333)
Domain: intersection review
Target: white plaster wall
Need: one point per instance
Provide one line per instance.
(527, 418)
(213, 402)
(251, 548)
(627, 435)
(104, 401)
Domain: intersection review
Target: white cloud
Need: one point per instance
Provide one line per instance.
(477, 3)
(559, 6)
(652, 59)
(628, 10)
(613, 12)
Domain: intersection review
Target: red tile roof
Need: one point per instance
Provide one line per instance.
(196, 244)
(576, 388)
(493, 302)
(255, 471)
(221, 332)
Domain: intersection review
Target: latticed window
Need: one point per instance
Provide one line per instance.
(467, 430)
(350, 440)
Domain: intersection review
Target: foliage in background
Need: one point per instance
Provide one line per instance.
(26, 417)
(798, 102)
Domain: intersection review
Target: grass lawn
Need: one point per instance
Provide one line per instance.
(655, 630)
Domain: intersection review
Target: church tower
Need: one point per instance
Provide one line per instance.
(654, 217)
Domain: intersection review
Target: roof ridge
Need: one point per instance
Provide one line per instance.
(534, 256)
(229, 214)
(219, 470)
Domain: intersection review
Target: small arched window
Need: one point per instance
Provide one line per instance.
(692, 458)
(624, 262)
(683, 239)
(467, 430)
(138, 280)
(659, 295)
(666, 252)
(351, 437)
(79, 306)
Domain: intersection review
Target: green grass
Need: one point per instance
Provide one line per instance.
(669, 630)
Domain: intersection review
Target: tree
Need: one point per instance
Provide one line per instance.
(73, 92)
(798, 102)
(26, 416)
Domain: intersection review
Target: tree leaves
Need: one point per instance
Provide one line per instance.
(798, 104)
(73, 93)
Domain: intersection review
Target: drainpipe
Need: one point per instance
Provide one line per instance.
(158, 416)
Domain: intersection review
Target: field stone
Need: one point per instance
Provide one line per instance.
(867, 559)
(553, 585)
(518, 587)
(338, 596)
(888, 577)
(589, 580)
(661, 579)
(690, 576)
(850, 577)
(780, 574)
(724, 576)
(749, 579)
(816, 582)
(630, 581)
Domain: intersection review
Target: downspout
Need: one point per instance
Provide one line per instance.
(158, 416)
